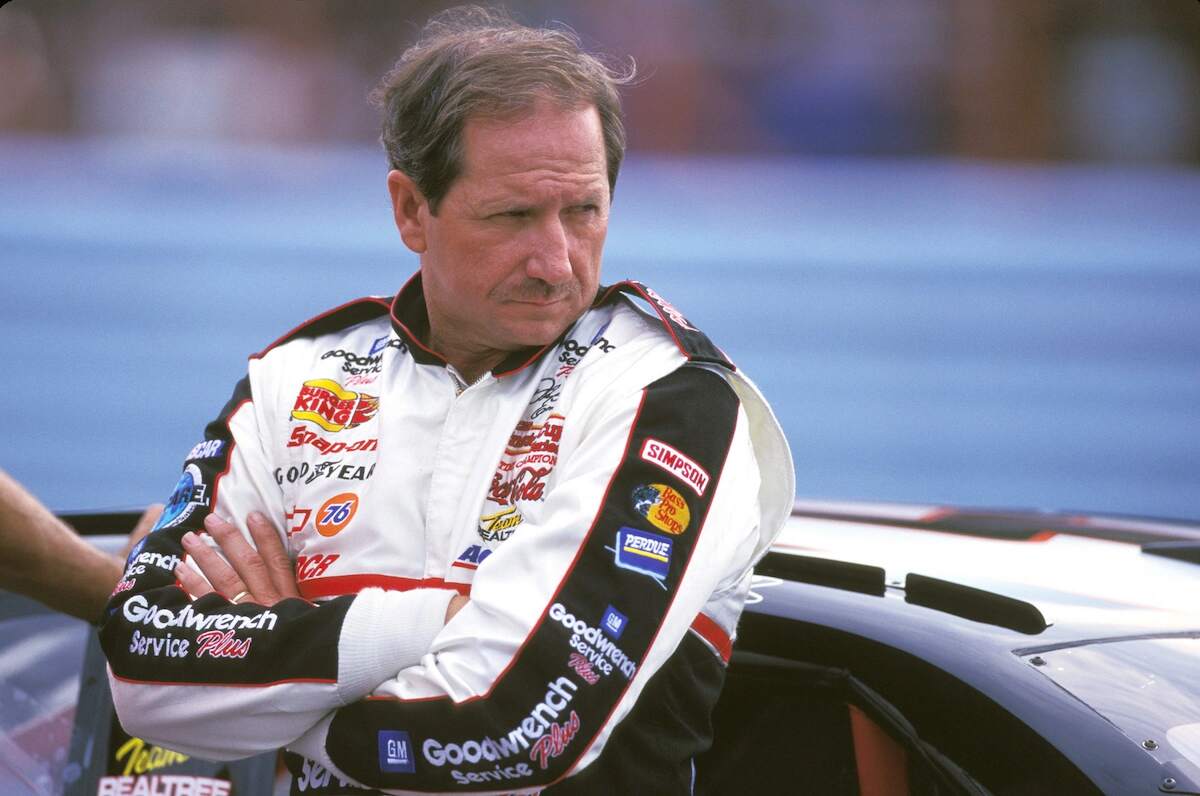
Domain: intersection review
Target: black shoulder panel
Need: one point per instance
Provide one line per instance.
(341, 317)
(692, 342)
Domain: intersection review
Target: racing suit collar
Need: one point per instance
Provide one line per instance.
(410, 320)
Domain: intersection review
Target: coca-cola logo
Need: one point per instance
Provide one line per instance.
(528, 483)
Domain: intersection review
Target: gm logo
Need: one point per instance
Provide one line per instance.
(613, 623)
(395, 752)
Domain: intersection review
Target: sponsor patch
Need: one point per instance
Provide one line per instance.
(396, 752)
(385, 342)
(663, 507)
(600, 655)
(221, 644)
(332, 407)
(302, 436)
(555, 741)
(667, 307)
(314, 776)
(472, 557)
(206, 450)
(140, 611)
(135, 552)
(354, 364)
(170, 647)
(528, 483)
(163, 785)
(613, 623)
(528, 459)
(135, 756)
(583, 667)
(307, 473)
(336, 513)
(300, 516)
(190, 494)
(500, 525)
(644, 552)
(314, 566)
(677, 464)
(524, 735)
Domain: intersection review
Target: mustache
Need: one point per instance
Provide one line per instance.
(537, 290)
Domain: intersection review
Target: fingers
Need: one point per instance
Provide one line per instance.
(224, 579)
(244, 559)
(144, 524)
(274, 557)
(192, 582)
(456, 604)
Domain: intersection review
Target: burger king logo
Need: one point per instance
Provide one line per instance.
(325, 403)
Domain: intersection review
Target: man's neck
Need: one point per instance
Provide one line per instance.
(470, 364)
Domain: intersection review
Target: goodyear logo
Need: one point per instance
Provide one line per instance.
(325, 403)
(663, 507)
(644, 552)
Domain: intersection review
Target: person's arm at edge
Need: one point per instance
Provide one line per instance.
(39, 548)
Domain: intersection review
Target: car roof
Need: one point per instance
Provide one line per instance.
(1084, 574)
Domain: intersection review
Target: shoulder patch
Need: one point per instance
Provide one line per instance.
(341, 317)
(692, 343)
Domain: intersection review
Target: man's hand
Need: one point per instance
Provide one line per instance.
(141, 530)
(263, 576)
(456, 604)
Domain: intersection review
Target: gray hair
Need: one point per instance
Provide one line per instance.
(472, 60)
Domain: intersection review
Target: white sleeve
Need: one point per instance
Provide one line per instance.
(654, 511)
(222, 681)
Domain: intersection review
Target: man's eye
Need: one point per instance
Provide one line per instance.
(512, 214)
(588, 208)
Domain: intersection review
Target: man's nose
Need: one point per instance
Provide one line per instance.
(549, 259)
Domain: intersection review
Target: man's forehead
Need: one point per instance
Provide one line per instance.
(544, 133)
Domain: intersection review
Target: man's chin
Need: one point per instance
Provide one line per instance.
(537, 333)
(537, 337)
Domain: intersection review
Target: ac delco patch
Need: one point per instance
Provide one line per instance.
(662, 506)
(333, 408)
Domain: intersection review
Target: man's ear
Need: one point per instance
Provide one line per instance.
(410, 209)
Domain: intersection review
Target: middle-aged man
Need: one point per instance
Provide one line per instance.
(520, 511)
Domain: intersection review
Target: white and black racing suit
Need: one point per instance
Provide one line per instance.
(601, 500)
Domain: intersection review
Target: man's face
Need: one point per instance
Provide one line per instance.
(512, 257)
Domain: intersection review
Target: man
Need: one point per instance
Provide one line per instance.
(35, 545)
(598, 481)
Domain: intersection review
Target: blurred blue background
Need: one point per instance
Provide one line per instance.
(956, 244)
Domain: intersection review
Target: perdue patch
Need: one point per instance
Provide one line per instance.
(675, 463)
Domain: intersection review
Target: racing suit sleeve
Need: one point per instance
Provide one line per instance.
(571, 617)
(218, 680)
